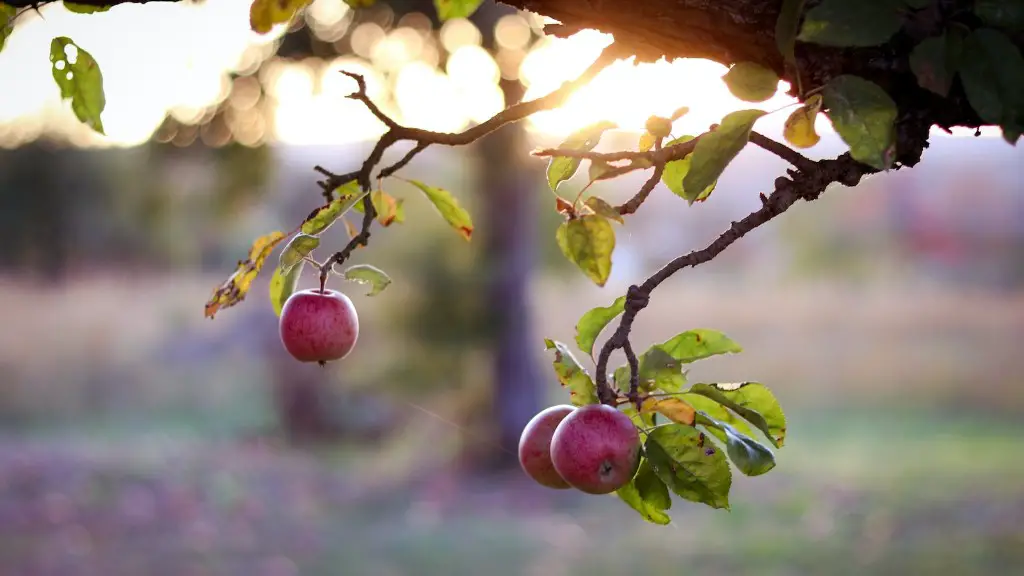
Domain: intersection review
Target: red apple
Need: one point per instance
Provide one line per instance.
(535, 446)
(318, 326)
(596, 449)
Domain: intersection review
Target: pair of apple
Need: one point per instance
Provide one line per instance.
(593, 448)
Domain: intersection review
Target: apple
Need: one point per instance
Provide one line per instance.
(535, 446)
(596, 449)
(319, 326)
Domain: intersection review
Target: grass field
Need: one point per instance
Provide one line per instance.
(854, 493)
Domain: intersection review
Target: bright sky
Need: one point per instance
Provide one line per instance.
(175, 58)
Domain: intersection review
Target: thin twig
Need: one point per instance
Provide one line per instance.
(631, 205)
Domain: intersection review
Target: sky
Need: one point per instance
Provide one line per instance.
(178, 59)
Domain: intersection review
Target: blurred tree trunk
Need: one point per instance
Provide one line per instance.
(507, 199)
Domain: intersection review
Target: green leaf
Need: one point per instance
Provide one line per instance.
(700, 343)
(691, 466)
(321, 219)
(659, 370)
(602, 208)
(720, 413)
(751, 82)
(648, 495)
(7, 14)
(571, 375)
(360, 3)
(1006, 14)
(786, 28)
(448, 9)
(264, 14)
(936, 60)
(588, 242)
(234, 289)
(449, 208)
(297, 248)
(645, 420)
(594, 321)
(845, 23)
(750, 456)
(85, 8)
(751, 400)
(992, 71)
(716, 149)
(561, 168)
(79, 78)
(598, 169)
(366, 274)
(282, 285)
(675, 172)
(864, 116)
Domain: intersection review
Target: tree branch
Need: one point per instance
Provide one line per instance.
(424, 138)
(806, 183)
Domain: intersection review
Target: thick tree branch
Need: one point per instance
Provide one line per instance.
(806, 183)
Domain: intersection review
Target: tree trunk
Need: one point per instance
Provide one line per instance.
(507, 193)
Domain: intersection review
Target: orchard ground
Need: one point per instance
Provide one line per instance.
(904, 410)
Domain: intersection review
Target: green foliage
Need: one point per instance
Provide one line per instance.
(648, 495)
(865, 117)
(7, 14)
(1006, 14)
(843, 23)
(321, 219)
(449, 208)
(282, 285)
(786, 28)
(85, 8)
(659, 370)
(360, 3)
(935, 61)
(366, 274)
(716, 150)
(297, 248)
(79, 78)
(594, 321)
(751, 82)
(750, 456)
(601, 207)
(448, 9)
(588, 241)
(992, 71)
(754, 402)
(675, 172)
(561, 168)
(689, 464)
(699, 343)
(571, 375)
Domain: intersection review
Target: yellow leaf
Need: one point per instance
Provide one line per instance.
(233, 291)
(799, 129)
(350, 228)
(674, 409)
(646, 141)
(264, 14)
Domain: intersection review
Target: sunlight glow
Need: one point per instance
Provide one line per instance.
(176, 59)
(154, 58)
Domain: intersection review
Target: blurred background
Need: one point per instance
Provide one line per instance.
(137, 437)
